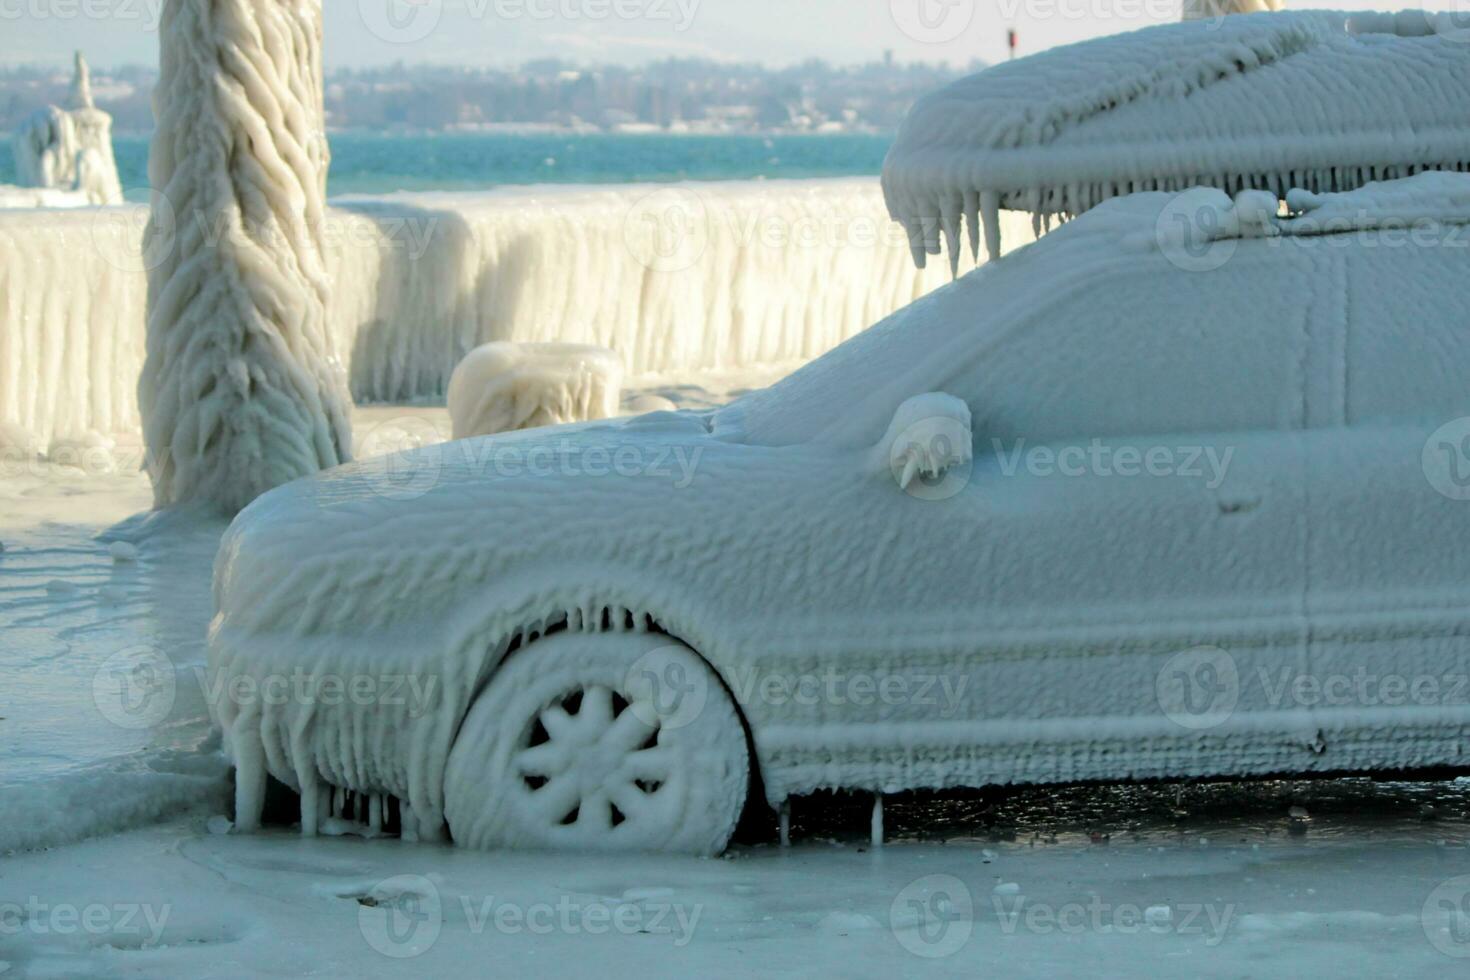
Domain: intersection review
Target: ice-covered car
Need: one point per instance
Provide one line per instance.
(1100, 510)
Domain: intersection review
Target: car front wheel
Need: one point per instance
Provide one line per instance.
(599, 742)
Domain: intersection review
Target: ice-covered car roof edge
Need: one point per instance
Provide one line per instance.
(1323, 101)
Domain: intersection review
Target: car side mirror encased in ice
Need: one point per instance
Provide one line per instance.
(930, 435)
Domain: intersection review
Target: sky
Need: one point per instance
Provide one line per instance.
(499, 33)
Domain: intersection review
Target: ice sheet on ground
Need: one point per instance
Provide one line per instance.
(1209, 881)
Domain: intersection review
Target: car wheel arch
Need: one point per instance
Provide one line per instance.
(608, 617)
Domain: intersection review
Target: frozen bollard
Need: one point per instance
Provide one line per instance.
(503, 387)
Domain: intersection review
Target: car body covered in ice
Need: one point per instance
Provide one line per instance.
(1178, 491)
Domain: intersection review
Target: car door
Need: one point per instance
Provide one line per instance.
(1389, 495)
(1136, 518)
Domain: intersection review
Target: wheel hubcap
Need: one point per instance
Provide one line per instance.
(591, 759)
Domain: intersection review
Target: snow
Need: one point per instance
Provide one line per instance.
(785, 271)
(1319, 100)
(502, 387)
(243, 388)
(393, 583)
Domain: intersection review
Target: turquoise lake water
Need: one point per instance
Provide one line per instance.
(372, 164)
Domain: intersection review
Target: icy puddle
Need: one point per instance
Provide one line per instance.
(1215, 899)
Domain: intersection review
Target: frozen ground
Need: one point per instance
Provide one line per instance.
(1214, 882)
(1368, 879)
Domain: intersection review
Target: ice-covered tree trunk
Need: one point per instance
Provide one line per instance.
(242, 389)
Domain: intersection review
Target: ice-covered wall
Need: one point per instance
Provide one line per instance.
(677, 279)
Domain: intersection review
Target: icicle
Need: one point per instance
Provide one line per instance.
(930, 225)
(972, 223)
(990, 214)
(311, 804)
(375, 814)
(877, 828)
(250, 774)
(916, 242)
(785, 814)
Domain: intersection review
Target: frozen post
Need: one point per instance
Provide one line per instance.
(785, 816)
(877, 829)
(242, 389)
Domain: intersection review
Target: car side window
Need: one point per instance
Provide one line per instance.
(1155, 350)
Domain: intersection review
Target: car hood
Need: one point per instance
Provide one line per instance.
(404, 537)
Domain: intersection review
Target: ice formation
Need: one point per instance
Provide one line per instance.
(502, 387)
(1318, 100)
(243, 388)
(70, 149)
(419, 280)
(781, 551)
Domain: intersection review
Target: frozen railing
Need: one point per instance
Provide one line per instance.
(677, 279)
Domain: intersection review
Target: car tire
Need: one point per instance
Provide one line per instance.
(599, 742)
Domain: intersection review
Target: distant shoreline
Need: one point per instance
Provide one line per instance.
(384, 162)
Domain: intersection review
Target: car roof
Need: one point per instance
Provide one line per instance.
(847, 397)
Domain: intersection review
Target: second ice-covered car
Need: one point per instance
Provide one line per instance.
(1122, 505)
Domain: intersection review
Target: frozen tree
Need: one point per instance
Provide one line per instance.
(242, 389)
(70, 149)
